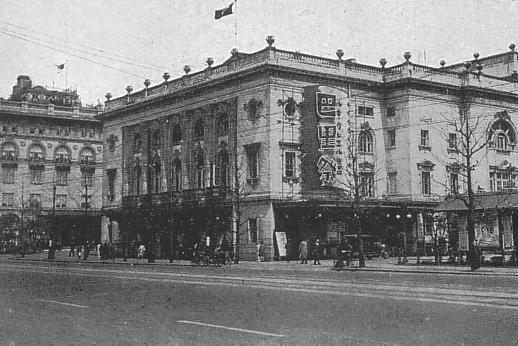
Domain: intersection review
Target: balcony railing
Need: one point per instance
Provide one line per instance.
(178, 198)
(87, 165)
(62, 163)
(36, 162)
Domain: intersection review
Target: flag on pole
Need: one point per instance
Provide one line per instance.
(223, 12)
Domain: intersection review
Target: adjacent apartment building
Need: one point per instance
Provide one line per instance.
(278, 145)
(50, 158)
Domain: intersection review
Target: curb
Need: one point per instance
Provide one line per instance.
(353, 269)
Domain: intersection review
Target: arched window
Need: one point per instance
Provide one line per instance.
(9, 152)
(62, 155)
(137, 143)
(177, 175)
(222, 168)
(86, 156)
(177, 134)
(502, 135)
(36, 153)
(199, 129)
(365, 144)
(137, 176)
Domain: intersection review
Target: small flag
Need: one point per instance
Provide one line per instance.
(223, 12)
(60, 67)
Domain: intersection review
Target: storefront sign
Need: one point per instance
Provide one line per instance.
(326, 105)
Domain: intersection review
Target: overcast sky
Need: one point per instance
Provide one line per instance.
(109, 44)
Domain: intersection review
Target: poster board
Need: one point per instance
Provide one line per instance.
(281, 243)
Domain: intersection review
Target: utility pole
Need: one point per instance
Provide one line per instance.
(235, 195)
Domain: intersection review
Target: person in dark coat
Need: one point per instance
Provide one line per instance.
(288, 247)
(317, 249)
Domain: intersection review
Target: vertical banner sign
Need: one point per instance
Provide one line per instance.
(281, 243)
(326, 105)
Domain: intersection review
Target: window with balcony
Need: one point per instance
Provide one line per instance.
(156, 139)
(86, 156)
(36, 153)
(7, 199)
(156, 173)
(137, 143)
(62, 156)
(502, 135)
(86, 201)
(200, 169)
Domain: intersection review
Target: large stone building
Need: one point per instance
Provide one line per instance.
(278, 144)
(50, 158)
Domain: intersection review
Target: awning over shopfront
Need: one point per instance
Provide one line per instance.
(485, 200)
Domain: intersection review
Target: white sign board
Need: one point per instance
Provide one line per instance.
(281, 243)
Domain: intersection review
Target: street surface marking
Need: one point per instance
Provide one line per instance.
(230, 328)
(62, 303)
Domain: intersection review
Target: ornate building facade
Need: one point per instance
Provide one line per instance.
(50, 154)
(277, 144)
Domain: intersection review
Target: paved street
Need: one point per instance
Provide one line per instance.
(83, 304)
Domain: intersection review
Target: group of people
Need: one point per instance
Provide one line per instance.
(316, 249)
(104, 251)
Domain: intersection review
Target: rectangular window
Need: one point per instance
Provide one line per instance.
(425, 138)
(368, 111)
(200, 178)
(34, 200)
(452, 141)
(252, 230)
(289, 164)
(62, 178)
(111, 183)
(454, 183)
(7, 199)
(252, 158)
(502, 180)
(391, 111)
(426, 187)
(392, 183)
(87, 178)
(8, 175)
(391, 138)
(61, 201)
(36, 176)
(367, 184)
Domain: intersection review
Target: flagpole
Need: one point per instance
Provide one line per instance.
(235, 26)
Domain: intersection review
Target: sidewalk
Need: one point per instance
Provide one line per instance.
(377, 264)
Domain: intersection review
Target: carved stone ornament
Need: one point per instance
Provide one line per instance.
(502, 115)
(289, 107)
(253, 108)
(425, 165)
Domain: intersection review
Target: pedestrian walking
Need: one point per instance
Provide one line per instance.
(303, 252)
(259, 250)
(79, 253)
(141, 251)
(317, 248)
(71, 253)
(288, 248)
